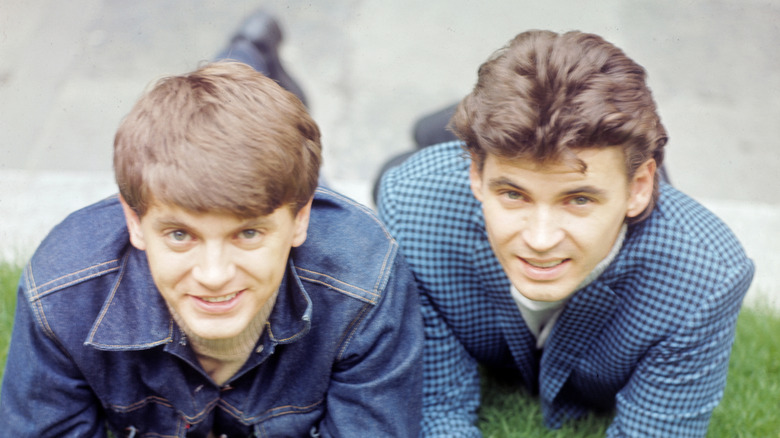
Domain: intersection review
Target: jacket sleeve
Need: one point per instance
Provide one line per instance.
(376, 386)
(451, 388)
(43, 393)
(681, 380)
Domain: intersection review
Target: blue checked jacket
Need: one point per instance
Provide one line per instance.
(649, 339)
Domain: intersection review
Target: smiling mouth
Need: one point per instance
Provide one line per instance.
(545, 265)
(221, 299)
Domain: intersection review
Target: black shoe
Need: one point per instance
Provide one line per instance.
(263, 32)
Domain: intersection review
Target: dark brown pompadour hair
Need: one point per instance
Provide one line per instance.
(545, 95)
(222, 139)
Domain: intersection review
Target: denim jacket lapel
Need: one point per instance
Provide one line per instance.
(134, 316)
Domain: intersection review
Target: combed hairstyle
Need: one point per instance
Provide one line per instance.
(222, 139)
(546, 95)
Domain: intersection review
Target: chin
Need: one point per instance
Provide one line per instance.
(216, 334)
(215, 331)
(548, 293)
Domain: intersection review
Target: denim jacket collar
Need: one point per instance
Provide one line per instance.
(134, 302)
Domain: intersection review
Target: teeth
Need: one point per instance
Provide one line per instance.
(219, 299)
(545, 264)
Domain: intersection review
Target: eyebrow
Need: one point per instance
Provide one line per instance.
(169, 222)
(503, 182)
(585, 190)
(172, 222)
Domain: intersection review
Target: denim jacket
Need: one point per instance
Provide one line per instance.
(94, 346)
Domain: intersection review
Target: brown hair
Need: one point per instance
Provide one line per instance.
(545, 95)
(222, 139)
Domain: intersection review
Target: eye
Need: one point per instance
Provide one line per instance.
(580, 200)
(248, 234)
(514, 195)
(179, 236)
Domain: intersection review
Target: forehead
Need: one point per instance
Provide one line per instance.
(606, 164)
(161, 214)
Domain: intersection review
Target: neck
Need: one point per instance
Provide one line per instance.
(222, 358)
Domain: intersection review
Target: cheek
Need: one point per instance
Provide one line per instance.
(263, 265)
(597, 238)
(606, 222)
(501, 229)
(167, 269)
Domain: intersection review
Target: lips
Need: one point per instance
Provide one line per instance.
(544, 270)
(548, 264)
(219, 299)
(217, 304)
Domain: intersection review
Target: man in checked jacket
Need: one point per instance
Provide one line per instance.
(552, 249)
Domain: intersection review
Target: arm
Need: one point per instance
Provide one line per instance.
(451, 388)
(43, 393)
(681, 380)
(375, 389)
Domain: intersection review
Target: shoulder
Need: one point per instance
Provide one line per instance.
(683, 226)
(347, 247)
(428, 206)
(430, 170)
(429, 193)
(441, 159)
(685, 250)
(87, 244)
(74, 270)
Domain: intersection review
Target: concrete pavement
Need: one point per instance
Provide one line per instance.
(70, 70)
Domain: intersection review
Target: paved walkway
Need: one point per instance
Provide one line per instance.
(71, 70)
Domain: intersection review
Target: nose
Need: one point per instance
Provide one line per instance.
(542, 231)
(214, 268)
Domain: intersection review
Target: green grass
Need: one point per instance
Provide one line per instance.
(749, 407)
(510, 411)
(751, 402)
(9, 279)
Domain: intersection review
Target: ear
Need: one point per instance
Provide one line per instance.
(641, 188)
(475, 176)
(133, 225)
(301, 225)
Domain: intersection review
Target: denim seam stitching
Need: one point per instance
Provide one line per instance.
(192, 419)
(386, 269)
(104, 310)
(270, 413)
(334, 279)
(350, 332)
(140, 403)
(345, 292)
(38, 291)
(376, 220)
(91, 337)
(37, 306)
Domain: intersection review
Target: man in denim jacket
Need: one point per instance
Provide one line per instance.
(221, 293)
(547, 247)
